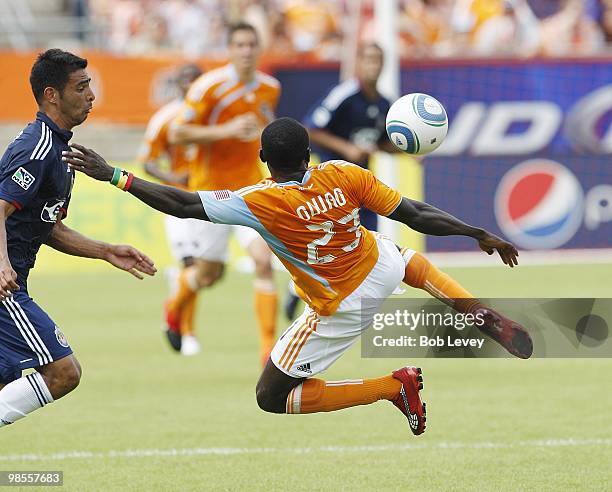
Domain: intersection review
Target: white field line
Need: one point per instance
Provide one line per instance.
(154, 453)
(552, 257)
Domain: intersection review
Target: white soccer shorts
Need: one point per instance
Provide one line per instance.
(203, 239)
(313, 343)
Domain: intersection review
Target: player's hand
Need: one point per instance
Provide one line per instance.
(180, 179)
(131, 260)
(245, 127)
(507, 252)
(88, 162)
(356, 154)
(8, 280)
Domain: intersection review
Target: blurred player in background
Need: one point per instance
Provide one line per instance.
(349, 123)
(35, 191)
(174, 171)
(310, 218)
(224, 112)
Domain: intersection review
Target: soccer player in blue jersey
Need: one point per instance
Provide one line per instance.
(348, 123)
(35, 190)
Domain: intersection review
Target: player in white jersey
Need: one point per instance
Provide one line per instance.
(175, 171)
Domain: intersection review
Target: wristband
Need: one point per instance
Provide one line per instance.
(129, 182)
(122, 179)
(116, 175)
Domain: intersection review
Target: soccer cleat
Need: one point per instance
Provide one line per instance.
(172, 328)
(174, 339)
(409, 401)
(189, 345)
(506, 332)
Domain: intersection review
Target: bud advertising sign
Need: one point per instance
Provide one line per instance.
(528, 152)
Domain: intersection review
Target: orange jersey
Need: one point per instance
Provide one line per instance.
(313, 226)
(156, 142)
(215, 98)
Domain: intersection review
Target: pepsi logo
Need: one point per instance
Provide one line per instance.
(539, 204)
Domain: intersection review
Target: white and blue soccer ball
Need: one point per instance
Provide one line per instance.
(417, 123)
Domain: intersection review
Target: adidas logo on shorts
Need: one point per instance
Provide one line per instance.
(304, 368)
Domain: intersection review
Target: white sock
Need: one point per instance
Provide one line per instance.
(23, 396)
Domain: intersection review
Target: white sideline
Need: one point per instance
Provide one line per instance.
(147, 453)
(535, 258)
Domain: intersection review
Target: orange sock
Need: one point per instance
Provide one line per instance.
(188, 314)
(266, 301)
(187, 287)
(316, 395)
(423, 274)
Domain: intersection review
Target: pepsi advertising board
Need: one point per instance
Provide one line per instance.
(528, 153)
(542, 202)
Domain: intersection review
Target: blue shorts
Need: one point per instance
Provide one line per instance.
(28, 337)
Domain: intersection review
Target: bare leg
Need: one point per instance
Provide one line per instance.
(273, 388)
(61, 376)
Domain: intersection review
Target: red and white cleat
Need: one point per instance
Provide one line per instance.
(509, 334)
(409, 401)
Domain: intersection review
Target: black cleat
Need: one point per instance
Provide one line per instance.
(174, 339)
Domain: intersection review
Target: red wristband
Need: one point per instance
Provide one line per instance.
(128, 183)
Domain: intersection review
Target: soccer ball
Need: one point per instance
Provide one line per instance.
(417, 123)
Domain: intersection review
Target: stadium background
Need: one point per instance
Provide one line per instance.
(518, 88)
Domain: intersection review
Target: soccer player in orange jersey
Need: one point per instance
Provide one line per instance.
(310, 219)
(155, 148)
(224, 112)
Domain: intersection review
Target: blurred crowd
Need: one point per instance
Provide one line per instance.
(319, 28)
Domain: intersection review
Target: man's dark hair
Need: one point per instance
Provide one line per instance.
(285, 144)
(52, 69)
(240, 26)
(369, 44)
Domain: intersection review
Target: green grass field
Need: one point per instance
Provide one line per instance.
(147, 419)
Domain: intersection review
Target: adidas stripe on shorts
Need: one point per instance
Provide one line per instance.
(28, 337)
(313, 343)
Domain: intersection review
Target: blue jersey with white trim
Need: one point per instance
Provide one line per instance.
(346, 112)
(35, 180)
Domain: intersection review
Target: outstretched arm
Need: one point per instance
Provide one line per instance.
(166, 199)
(244, 127)
(425, 218)
(122, 256)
